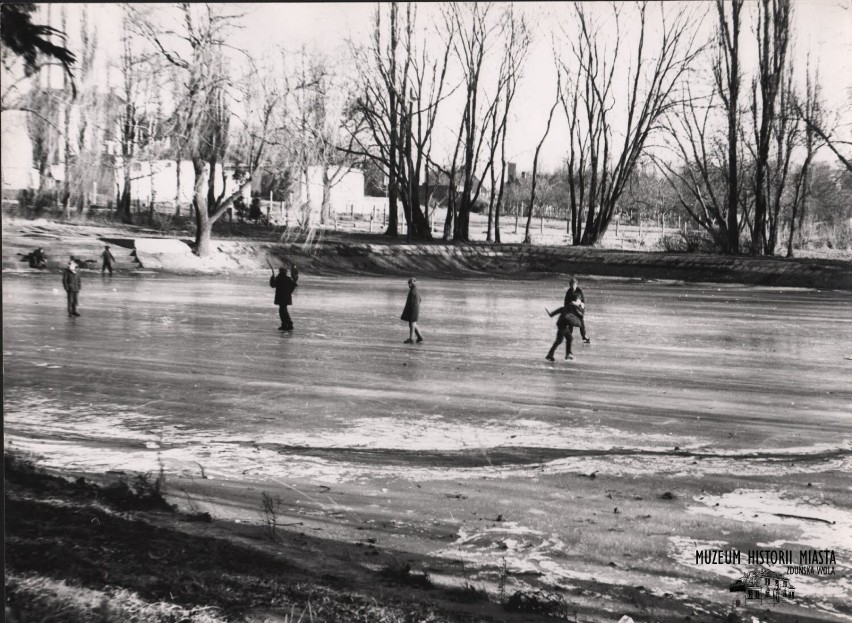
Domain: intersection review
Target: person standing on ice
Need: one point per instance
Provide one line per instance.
(108, 259)
(71, 283)
(575, 302)
(411, 312)
(284, 287)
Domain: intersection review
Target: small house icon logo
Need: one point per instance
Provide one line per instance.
(764, 584)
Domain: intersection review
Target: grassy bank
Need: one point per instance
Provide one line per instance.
(116, 551)
(329, 252)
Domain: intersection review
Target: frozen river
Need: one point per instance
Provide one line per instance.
(681, 380)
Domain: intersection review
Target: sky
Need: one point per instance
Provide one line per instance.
(823, 29)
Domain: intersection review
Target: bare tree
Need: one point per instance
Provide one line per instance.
(402, 86)
(527, 239)
(515, 51)
(773, 38)
(478, 27)
(726, 71)
(698, 174)
(809, 109)
(131, 65)
(600, 164)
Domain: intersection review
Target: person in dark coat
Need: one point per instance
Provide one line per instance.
(564, 330)
(576, 302)
(71, 283)
(411, 312)
(108, 260)
(38, 259)
(284, 287)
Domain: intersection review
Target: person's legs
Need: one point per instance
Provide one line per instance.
(569, 338)
(417, 332)
(109, 267)
(74, 303)
(286, 321)
(410, 339)
(70, 305)
(559, 337)
(583, 331)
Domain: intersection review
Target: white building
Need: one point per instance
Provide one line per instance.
(345, 195)
(16, 153)
(157, 181)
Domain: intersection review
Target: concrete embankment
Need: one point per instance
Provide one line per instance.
(141, 252)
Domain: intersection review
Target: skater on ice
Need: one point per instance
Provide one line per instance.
(71, 283)
(411, 312)
(575, 301)
(284, 286)
(108, 259)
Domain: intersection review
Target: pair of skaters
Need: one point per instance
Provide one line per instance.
(570, 315)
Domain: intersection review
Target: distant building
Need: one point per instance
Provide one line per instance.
(347, 188)
(156, 181)
(511, 172)
(439, 189)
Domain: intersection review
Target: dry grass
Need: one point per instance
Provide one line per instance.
(36, 598)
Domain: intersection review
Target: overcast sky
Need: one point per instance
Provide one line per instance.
(823, 28)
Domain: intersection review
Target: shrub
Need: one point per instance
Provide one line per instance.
(689, 241)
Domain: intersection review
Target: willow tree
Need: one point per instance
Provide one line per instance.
(211, 124)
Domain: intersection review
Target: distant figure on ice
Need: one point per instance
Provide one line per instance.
(108, 260)
(284, 287)
(38, 259)
(576, 303)
(411, 312)
(71, 283)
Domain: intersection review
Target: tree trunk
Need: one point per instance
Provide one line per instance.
(177, 187)
(325, 211)
(124, 198)
(203, 226)
(733, 229)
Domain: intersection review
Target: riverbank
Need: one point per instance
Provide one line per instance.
(138, 249)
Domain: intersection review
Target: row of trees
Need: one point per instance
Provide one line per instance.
(431, 100)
